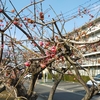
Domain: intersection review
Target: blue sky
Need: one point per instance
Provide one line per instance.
(58, 5)
(66, 7)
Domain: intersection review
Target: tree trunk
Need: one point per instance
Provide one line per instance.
(89, 93)
(21, 90)
(32, 85)
(53, 89)
(87, 96)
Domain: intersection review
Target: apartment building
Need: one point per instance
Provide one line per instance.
(91, 52)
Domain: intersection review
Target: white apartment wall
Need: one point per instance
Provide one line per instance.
(93, 33)
(92, 71)
(94, 37)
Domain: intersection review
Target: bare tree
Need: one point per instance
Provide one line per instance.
(30, 43)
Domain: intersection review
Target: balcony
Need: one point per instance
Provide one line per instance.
(92, 53)
(90, 65)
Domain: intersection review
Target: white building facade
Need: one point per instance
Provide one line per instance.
(89, 33)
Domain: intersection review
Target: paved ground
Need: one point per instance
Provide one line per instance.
(63, 86)
(41, 98)
(69, 87)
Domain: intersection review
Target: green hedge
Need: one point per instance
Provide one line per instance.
(71, 78)
(49, 76)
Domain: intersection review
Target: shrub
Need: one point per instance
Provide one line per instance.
(71, 77)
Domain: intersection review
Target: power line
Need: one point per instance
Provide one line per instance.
(84, 9)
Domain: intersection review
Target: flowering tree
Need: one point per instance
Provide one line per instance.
(30, 43)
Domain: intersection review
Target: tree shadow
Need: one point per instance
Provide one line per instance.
(64, 96)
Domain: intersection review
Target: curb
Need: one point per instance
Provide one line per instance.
(42, 97)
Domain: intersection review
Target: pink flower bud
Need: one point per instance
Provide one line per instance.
(47, 43)
(53, 49)
(42, 65)
(1, 10)
(27, 64)
(41, 43)
(34, 44)
(15, 23)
